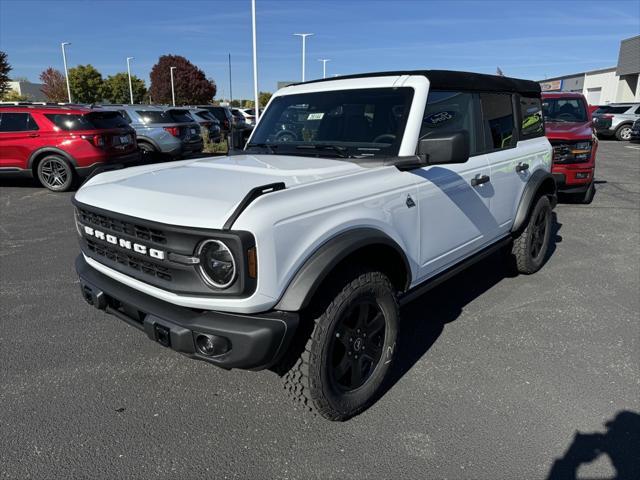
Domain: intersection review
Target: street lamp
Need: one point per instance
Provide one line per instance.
(324, 66)
(129, 72)
(255, 62)
(304, 43)
(66, 72)
(173, 91)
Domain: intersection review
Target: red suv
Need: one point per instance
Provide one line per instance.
(58, 144)
(568, 126)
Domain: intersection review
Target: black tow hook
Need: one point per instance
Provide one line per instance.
(94, 297)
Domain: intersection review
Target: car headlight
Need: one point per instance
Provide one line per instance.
(583, 146)
(217, 265)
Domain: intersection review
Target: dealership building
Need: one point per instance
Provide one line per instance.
(607, 85)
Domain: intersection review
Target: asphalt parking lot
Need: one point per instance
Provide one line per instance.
(496, 374)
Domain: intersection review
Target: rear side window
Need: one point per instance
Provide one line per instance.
(89, 121)
(167, 116)
(180, 116)
(531, 122)
(611, 109)
(17, 122)
(125, 115)
(497, 118)
(448, 111)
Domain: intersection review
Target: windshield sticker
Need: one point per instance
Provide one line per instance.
(438, 118)
(315, 116)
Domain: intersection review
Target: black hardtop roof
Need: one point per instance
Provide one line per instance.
(454, 80)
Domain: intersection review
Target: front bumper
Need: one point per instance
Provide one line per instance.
(257, 341)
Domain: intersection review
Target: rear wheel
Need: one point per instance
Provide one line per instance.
(55, 173)
(147, 150)
(623, 132)
(531, 245)
(349, 353)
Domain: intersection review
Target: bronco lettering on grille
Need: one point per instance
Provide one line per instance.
(126, 244)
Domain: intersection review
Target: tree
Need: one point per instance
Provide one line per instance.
(115, 88)
(191, 85)
(263, 98)
(13, 96)
(5, 68)
(54, 85)
(86, 84)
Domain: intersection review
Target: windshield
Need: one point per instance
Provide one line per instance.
(345, 123)
(564, 110)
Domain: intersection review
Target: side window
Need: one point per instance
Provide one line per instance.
(638, 111)
(531, 122)
(125, 115)
(449, 111)
(497, 118)
(17, 122)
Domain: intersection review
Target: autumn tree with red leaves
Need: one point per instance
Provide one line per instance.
(54, 85)
(191, 84)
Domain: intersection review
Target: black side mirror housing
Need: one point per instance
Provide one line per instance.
(445, 147)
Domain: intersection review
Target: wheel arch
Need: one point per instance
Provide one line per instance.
(40, 153)
(149, 140)
(365, 246)
(541, 182)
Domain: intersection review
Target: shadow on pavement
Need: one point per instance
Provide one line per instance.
(621, 442)
(423, 320)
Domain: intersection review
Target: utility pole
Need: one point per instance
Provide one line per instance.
(66, 72)
(304, 49)
(129, 72)
(324, 66)
(230, 88)
(255, 61)
(173, 90)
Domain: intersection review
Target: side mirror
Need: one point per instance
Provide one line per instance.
(445, 147)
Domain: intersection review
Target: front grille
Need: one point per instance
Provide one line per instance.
(564, 153)
(120, 226)
(123, 258)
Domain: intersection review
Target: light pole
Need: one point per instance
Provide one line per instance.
(255, 61)
(129, 72)
(230, 84)
(304, 44)
(173, 90)
(324, 66)
(66, 72)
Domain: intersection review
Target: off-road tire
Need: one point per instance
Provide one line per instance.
(311, 379)
(528, 258)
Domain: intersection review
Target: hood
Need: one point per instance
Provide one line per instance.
(568, 130)
(201, 193)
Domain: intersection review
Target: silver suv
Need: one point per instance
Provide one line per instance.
(616, 119)
(162, 130)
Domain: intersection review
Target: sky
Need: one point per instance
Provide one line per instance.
(526, 39)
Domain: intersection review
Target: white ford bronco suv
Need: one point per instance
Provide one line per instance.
(352, 196)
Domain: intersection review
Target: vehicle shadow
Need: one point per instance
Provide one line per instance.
(423, 320)
(621, 442)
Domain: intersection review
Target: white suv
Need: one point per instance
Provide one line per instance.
(295, 254)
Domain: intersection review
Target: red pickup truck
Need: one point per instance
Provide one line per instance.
(568, 126)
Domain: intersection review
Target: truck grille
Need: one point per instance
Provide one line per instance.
(138, 231)
(130, 261)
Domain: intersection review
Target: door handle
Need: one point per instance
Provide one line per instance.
(32, 135)
(479, 180)
(521, 167)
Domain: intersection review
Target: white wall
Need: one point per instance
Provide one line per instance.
(608, 83)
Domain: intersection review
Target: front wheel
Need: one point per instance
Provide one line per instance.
(531, 245)
(349, 353)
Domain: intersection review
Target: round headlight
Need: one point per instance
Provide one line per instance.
(217, 265)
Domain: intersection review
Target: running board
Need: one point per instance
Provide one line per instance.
(452, 271)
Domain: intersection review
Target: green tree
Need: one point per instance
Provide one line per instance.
(86, 84)
(115, 88)
(54, 85)
(263, 98)
(5, 68)
(13, 96)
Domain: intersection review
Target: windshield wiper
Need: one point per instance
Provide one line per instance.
(341, 151)
(271, 148)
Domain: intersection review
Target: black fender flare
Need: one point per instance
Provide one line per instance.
(322, 262)
(540, 182)
(36, 153)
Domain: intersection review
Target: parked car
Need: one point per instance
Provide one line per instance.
(635, 131)
(207, 122)
(241, 129)
(616, 119)
(296, 255)
(569, 128)
(167, 131)
(59, 144)
(224, 116)
(250, 118)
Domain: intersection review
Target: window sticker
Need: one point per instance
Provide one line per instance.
(438, 118)
(315, 116)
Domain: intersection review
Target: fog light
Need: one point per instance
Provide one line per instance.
(582, 175)
(212, 345)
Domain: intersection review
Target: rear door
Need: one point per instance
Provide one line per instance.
(454, 199)
(18, 139)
